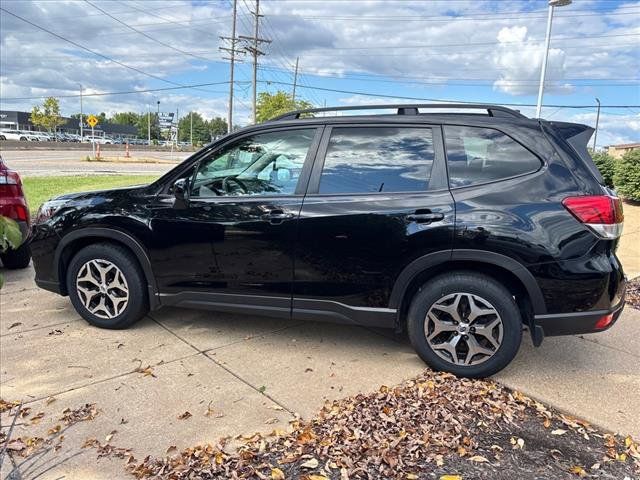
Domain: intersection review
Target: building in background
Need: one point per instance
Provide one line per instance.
(617, 151)
(13, 120)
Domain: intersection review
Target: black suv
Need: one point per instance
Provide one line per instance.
(460, 227)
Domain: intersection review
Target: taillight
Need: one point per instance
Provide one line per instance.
(603, 322)
(601, 213)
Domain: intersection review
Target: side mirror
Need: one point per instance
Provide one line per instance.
(180, 188)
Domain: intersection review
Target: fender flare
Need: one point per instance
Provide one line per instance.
(482, 256)
(111, 234)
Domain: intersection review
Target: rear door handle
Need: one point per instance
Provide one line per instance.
(425, 217)
(277, 216)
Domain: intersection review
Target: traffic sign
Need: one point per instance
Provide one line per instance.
(92, 120)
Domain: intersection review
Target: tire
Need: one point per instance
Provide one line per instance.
(93, 298)
(17, 259)
(2, 137)
(501, 321)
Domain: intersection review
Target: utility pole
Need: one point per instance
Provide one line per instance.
(252, 48)
(81, 116)
(149, 124)
(191, 128)
(159, 131)
(595, 134)
(232, 59)
(295, 81)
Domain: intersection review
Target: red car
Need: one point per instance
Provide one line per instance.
(14, 205)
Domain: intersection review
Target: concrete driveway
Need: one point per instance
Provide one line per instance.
(249, 374)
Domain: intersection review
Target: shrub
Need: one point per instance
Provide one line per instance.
(627, 176)
(606, 165)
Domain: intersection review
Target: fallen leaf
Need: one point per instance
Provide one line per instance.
(277, 474)
(13, 325)
(110, 436)
(450, 477)
(146, 371)
(558, 432)
(262, 389)
(172, 448)
(314, 477)
(271, 421)
(36, 419)
(54, 430)
(577, 470)
(546, 423)
(184, 415)
(50, 400)
(478, 458)
(312, 463)
(16, 445)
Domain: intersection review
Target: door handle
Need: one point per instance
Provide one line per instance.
(277, 216)
(425, 217)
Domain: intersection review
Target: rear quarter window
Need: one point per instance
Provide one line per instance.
(479, 155)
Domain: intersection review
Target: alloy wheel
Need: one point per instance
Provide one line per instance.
(463, 329)
(102, 288)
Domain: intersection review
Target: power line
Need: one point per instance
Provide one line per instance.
(126, 92)
(449, 80)
(438, 45)
(381, 95)
(137, 70)
(160, 42)
(439, 19)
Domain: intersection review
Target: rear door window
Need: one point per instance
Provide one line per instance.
(377, 159)
(480, 155)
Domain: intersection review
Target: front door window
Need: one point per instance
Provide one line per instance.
(261, 164)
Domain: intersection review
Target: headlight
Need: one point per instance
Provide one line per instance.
(48, 209)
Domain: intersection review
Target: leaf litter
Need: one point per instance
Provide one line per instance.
(436, 426)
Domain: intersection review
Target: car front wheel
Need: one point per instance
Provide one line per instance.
(465, 323)
(107, 286)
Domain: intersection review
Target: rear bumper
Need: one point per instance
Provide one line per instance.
(578, 322)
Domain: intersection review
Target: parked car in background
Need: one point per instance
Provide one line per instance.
(30, 135)
(98, 140)
(14, 205)
(461, 228)
(7, 134)
(41, 136)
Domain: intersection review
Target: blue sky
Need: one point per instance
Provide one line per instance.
(454, 50)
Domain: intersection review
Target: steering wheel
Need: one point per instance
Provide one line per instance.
(227, 180)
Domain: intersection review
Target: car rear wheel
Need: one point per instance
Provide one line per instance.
(16, 259)
(107, 286)
(465, 323)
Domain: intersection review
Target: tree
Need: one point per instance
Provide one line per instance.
(627, 176)
(125, 118)
(218, 126)
(142, 125)
(605, 164)
(48, 115)
(200, 129)
(272, 105)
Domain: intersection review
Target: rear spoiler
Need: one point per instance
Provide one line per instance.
(577, 136)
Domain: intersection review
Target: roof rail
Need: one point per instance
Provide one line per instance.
(408, 109)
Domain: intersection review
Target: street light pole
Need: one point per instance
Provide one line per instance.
(595, 134)
(149, 124)
(547, 41)
(159, 135)
(81, 116)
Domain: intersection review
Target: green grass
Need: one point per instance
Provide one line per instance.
(40, 189)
